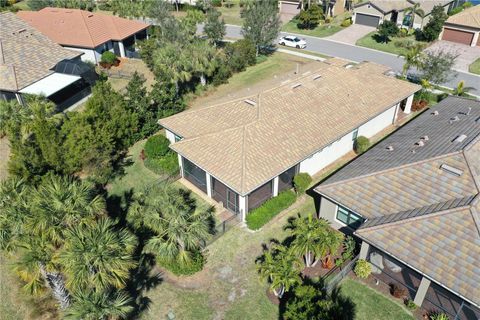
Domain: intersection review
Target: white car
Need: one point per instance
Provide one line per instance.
(293, 41)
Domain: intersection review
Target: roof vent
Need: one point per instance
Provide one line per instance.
(454, 119)
(296, 85)
(435, 113)
(250, 102)
(390, 148)
(318, 76)
(452, 170)
(425, 138)
(420, 143)
(467, 113)
(460, 138)
(478, 120)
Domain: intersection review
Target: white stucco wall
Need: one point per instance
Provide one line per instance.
(170, 136)
(378, 123)
(328, 155)
(87, 56)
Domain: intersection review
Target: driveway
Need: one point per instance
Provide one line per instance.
(351, 34)
(467, 54)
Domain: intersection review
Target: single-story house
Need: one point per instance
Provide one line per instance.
(374, 12)
(244, 152)
(88, 32)
(292, 7)
(463, 27)
(414, 201)
(31, 63)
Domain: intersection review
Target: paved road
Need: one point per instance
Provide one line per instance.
(358, 54)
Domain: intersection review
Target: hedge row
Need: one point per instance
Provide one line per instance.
(167, 164)
(260, 216)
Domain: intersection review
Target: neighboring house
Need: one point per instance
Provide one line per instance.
(293, 7)
(463, 27)
(374, 12)
(87, 32)
(244, 152)
(413, 199)
(31, 63)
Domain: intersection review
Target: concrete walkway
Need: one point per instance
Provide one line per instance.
(351, 34)
(301, 54)
(466, 54)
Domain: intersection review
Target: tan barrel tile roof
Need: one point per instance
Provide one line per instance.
(26, 55)
(80, 28)
(444, 246)
(287, 124)
(469, 17)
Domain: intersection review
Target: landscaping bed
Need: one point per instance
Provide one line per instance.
(396, 45)
(263, 214)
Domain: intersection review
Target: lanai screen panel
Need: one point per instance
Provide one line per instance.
(285, 180)
(195, 175)
(259, 196)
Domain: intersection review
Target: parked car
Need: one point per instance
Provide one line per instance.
(293, 41)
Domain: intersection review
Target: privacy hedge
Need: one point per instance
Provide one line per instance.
(260, 216)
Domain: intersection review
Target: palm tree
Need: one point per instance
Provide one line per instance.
(99, 305)
(461, 90)
(308, 233)
(203, 60)
(412, 11)
(179, 227)
(332, 240)
(13, 211)
(173, 63)
(280, 267)
(413, 58)
(59, 203)
(97, 255)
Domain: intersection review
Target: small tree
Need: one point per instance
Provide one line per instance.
(214, 27)
(240, 54)
(310, 18)
(412, 12)
(301, 182)
(361, 144)
(413, 58)
(363, 268)
(432, 29)
(436, 66)
(108, 57)
(261, 24)
(386, 30)
(157, 146)
(461, 90)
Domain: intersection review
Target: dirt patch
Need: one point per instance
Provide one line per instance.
(4, 156)
(272, 297)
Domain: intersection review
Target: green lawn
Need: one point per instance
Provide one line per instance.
(22, 5)
(372, 305)
(475, 67)
(231, 14)
(396, 45)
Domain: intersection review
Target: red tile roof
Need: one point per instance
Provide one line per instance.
(79, 28)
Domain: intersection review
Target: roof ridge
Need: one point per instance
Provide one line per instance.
(86, 26)
(242, 182)
(476, 180)
(386, 170)
(416, 218)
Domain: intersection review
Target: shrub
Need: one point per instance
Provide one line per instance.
(410, 304)
(216, 3)
(362, 269)
(309, 19)
(386, 30)
(301, 182)
(157, 146)
(397, 291)
(346, 23)
(436, 315)
(240, 54)
(260, 216)
(403, 32)
(108, 57)
(361, 144)
(164, 165)
(432, 29)
(198, 261)
(455, 11)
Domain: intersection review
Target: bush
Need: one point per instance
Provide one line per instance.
(157, 146)
(198, 261)
(410, 305)
(260, 216)
(301, 182)
(310, 18)
(361, 144)
(436, 315)
(164, 165)
(386, 30)
(240, 54)
(362, 269)
(108, 57)
(346, 23)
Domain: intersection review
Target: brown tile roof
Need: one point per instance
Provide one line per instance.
(445, 246)
(79, 28)
(246, 145)
(26, 55)
(469, 17)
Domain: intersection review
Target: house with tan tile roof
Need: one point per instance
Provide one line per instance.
(374, 12)
(87, 32)
(414, 201)
(243, 152)
(31, 63)
(463, 27)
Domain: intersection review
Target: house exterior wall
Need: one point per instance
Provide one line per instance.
(88, 54)
(170, 136)
(378, 123)
(368, 9)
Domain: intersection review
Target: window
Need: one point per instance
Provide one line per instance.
(177, 138)
(349, 218)
(355, 134)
